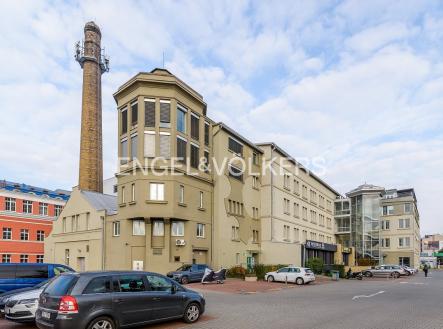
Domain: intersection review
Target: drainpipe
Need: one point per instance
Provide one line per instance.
(103, 241)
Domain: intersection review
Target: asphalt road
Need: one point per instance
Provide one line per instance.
(415, 302)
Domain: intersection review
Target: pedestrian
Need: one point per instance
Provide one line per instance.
(426, 269)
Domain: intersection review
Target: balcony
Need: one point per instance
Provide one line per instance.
(343, 229)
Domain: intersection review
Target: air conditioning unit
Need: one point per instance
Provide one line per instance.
(180, 242)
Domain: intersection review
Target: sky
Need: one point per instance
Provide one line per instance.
(357, 84)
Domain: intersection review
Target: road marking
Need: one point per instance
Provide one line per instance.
(367, 296)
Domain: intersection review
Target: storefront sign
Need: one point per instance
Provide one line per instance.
(320, 245)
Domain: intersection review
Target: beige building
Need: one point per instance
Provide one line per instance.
(297, 213)
(400, 228)
(77, 235)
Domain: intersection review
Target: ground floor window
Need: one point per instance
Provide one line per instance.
(326, 256)
(24, 258)
(6, 258)
(404, 261)
(40, 258)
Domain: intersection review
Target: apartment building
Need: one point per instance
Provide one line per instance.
(400, 228)
(431, 245)
(164, 191)
(297, 211)
(27, 214)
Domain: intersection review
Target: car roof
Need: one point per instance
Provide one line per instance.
(102, 273)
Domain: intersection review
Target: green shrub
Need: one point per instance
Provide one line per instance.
(260, 269)
(236, 272)
(316, 265)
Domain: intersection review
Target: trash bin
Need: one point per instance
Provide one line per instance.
(335, 275)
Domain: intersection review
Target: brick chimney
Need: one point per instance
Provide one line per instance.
(88, 54)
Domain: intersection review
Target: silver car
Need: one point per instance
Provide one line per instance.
(393, 271)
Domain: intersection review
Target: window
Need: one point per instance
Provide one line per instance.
(57, 210)
(138, 227)
(386, 242)
(6, 258)
(195, 126)
(287, 182)
(7, 233)
(131, 283)
(207, 133)
(207, 164)
(305, 213)
(286, 206)
(234, 233)
(194, 155)
(40, 258)
(404, 261)
(404, 242)
(255, 236)
(27, 207)
(286, 229)
(181, 149)
(40, 235)
(255, 213)
(329, 223)
(201, 200)
(237, 258)
(235, 172)
(123, 195)
(385, 224)
(388, 210)
(313, 217)
(254, 182)
(321, 220)
(305, 192)
(24, 258)
(124, 150)
(10, 204)
(149, 147)
(408, 208)
(200, 230)
(178, 229)
(158, 283)
(157, 191)
(255, 158)
(116, 228)
(124, 127)
(181, 194)
(235, 147)
(296, 186)
(181, 119)
(158, 228)
(133, 147)
(64, 224)
(296, 234)
(149, 112)
(100, 285)
(67, 257)
(165, 114)
(43, 209)
(134, 114)
(165, 145)
(296, 210)
(24, 234)
(404, 223)
(133, 192)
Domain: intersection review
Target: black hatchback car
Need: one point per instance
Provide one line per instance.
(111, 300)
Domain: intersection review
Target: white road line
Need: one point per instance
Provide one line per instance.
(368, 296)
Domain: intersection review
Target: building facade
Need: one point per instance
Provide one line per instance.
(27, 214)
(431, 245)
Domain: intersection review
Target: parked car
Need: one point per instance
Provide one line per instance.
(21, 307)
(394, 271)
(24, 275)
(298, 275)
(111, 300)
(410, 270)
(188, 273)
(4, 297)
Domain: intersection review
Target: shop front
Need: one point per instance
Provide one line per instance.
(315, 249)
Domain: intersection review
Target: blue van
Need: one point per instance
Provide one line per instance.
(23, 275)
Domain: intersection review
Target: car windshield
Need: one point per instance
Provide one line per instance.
(60, 285)
(184, 268)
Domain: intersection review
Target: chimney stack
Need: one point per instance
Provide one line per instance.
(94, 64)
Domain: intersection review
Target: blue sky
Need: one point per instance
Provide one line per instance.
(358, 83)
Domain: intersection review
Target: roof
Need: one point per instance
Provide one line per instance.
(39, 191)
(309, 172)
(368, 188)
(101, 201)
(225, 127)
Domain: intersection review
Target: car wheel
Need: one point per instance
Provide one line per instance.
(369, 274)
(299, 281)
(184, 280)
(408, 273)
(270, 278)
(102, 322)
(192, 313)
(395, 275)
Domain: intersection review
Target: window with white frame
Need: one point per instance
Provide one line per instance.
(388, 210)
(385, 225)
(404, 223)
(6, 258)
(235, 146)
(386, 242)
(40, 235)
(254, 181)
(9, 204)
(123, 196)
(138, 227)
(165, 145)
(124, 117)
(165, 113)
(134, 142)
(296, 186)
(40, 258)
(296, 210)
(24, 258)
(124, 151)
(133, 192)
(201, 205)
(296, 234)
(24, 234)
(287, 181)
(255, 236)
(181, 119)
(200, 230)
(116, 228)
(235, 172)
(286, 206)
(57, 210)
(149, 146)
(404, 242)
(27, 207)
(157, 191)
(286, 230)
(7, 233)
(235, 233)
(134, 114)
(305, 213)
(408, 208)
(178, 228)
(181, 196)
(43, 209)
(158, 228)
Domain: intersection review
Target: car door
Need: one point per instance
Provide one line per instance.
(168, 296)
(200, 272)
(194, 274)
(132, 303)
(282, 274)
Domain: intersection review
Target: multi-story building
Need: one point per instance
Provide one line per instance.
(382, 225)
(297, 211)
(27, 214)
(431, 245)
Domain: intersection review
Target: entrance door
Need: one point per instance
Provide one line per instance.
(81, 264)
(200, 257)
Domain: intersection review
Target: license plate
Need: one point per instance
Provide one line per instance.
(46, 315)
